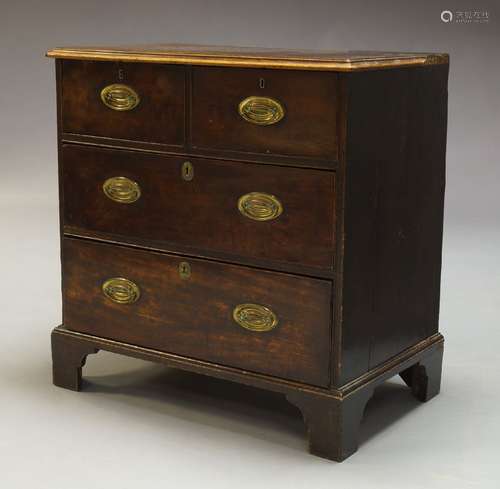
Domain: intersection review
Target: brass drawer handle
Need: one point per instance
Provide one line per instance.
(121, 190)
(262, 111)
(255, 317)
(260, 206)
(120, 97)
(121, 290)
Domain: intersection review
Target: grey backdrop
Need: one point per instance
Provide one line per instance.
(139, 425)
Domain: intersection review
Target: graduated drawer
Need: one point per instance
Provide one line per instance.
(273, 112)
(273, 323)
(199, 206)
(127, 101)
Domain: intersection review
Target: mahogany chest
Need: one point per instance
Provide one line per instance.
(269, 217)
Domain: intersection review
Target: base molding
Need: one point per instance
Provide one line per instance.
(394, 365)
(332, 416)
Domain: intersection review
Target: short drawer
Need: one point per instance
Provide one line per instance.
(272, 323)
(220, 209)
(128, 101)
(277, 112)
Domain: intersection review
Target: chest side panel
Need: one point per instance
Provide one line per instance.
(394, 193)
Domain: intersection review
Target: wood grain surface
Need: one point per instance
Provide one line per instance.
(193, 316)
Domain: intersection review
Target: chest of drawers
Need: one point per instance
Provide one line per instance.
(268, 217)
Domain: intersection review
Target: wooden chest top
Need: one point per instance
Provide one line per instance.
(250, 56)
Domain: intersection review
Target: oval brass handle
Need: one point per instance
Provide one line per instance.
(121, 290)
(260, 206)
(262, 111)
(121, 190)
(255, 317)
(120, 97)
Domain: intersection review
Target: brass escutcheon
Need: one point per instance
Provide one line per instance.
(184, 269)
(120, 97)
(187, 171)
(121, 290)
(260, 206)
(121, 190)
(255, 317)
(262, 111)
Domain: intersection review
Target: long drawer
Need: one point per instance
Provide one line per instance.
(220, 209)
(267, 322)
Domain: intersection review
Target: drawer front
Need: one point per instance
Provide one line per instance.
(200, 206)
(131, 101)
(291, 113)
(267, 322)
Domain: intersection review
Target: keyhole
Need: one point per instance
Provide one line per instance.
(184, 269)
(187, 171)
(262, 83)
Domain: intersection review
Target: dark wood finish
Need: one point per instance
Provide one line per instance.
(424, 378)
(308, 128)
(68, 358)
(268, 158)
(201, 215)
(298, 348)
(375, 377)
(332, 416)
(383, 131)
(332, 424)
(261, 159)
(190, 252)
(159, 117)
(394, 191)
